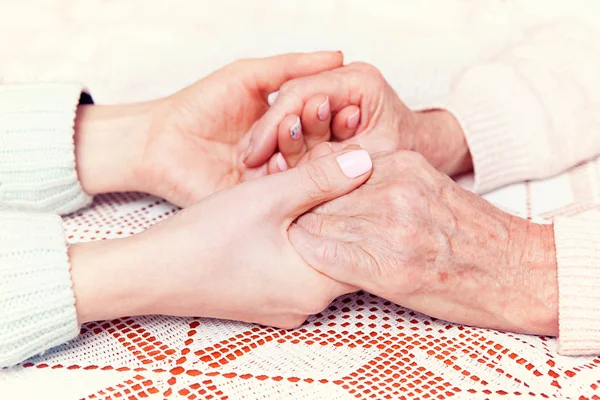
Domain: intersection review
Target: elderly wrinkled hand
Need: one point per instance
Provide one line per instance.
(415, 237)
(354, 104)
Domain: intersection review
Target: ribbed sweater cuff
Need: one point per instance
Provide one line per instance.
(37, 156)
(37, 303)
(501, 120)
(578, 259)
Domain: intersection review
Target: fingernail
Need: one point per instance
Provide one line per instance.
(296, 129)
(281, 163)
(353, 120)
(323, 111)
(355, 163)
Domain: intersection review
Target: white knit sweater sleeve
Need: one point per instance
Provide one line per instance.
(37, 304)
(37, 180)
(578, 259)
(533, 110)
(37, 151)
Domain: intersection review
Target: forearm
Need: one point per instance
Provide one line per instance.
(110, 279)
(47, 290)
(108, 146)
(440, 139)
(514, 260)
(531, 259)
(491, 270)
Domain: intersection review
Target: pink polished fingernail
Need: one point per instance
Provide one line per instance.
(281, 163)
(323, 110)
(296, 129)
(353, 120)
(355, 163)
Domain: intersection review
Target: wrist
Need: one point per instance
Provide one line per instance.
(531, 253)
(107, 281)
(507, 267)
(440, 139)
(108, 146)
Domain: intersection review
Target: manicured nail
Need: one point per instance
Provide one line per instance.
(355, 163)
(281, 163)
(296, 129)
(353, 120)
(323, 111)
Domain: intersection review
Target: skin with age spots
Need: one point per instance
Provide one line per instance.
(415, 237)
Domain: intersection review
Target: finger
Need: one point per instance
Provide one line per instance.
(343, 228)
(276, 164)
(345, 123)
(267, 75)
(291, 140)
(297, 190)
(290, 100)
(336, 259)
(270, 73)
(316, 118)
(323, 149)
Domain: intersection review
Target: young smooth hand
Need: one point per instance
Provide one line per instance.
(227, 256)
(188, 145)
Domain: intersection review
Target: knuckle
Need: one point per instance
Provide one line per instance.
(316, 176)
(240, 63)
(416, 158)
(330, 250)
(408, 160)
(289, 87)
(395, 191)
(367, 68)
(394, 201)
(313, 223)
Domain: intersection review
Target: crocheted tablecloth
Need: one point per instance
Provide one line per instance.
(360, 347)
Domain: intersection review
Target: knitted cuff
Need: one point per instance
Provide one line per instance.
(37, 303)
(501, 120)
(578, 259)
(37, 155)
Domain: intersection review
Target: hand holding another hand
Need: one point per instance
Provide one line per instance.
(354, 104)
(227, 256)
(413, 236)
(191, 144)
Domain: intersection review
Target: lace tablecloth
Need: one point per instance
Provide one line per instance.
(360, 347)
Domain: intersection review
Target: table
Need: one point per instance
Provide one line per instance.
(360, 347)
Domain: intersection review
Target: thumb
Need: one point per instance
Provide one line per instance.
(268, 74)
(297, 190)
(331, 257)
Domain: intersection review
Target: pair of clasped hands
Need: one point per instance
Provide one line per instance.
(285, 206)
